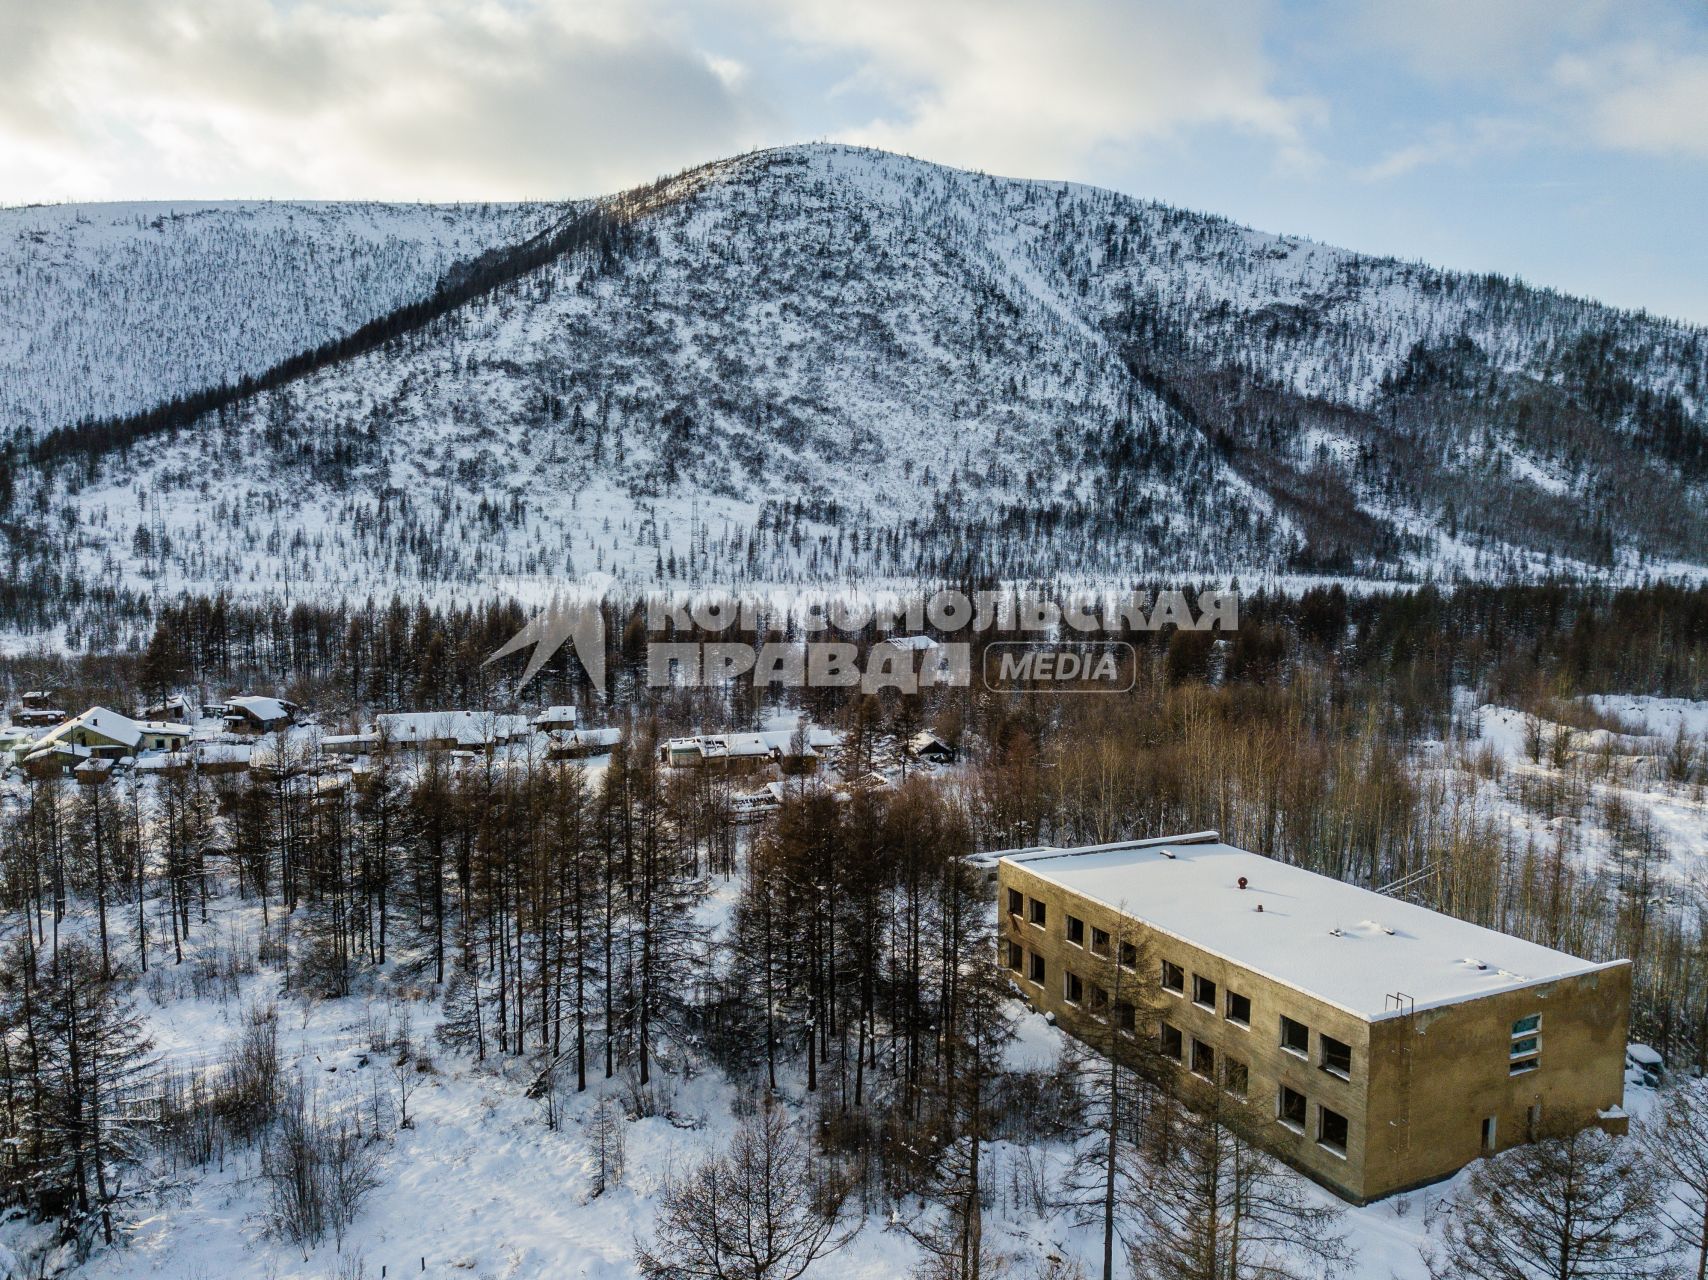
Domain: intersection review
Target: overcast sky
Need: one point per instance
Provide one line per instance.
(1562, 140)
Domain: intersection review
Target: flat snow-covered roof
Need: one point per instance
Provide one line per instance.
(1347, 946)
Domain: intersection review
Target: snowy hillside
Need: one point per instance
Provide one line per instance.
(823, 363)
(112, 308)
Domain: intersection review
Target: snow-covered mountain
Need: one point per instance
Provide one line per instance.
(112, 308)
(824, 363)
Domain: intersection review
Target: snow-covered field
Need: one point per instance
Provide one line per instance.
(1615, 766)
(479, 1186)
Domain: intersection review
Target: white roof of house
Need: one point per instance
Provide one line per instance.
(109, 724)
(591, 737)
(164, 726)
(721, 745)
(227, 752)
(465, 728)
(261, 708)
(162, 760)
(1347, 946)
(556, 715)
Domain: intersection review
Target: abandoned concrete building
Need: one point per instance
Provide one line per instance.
(1377, 1045)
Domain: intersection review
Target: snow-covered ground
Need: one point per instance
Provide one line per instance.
(481, 1187)
(1622, 752)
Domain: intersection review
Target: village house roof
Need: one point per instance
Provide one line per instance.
(925, 740)
(1347, 946)
(464, 728)
(109, 724)
(262, 709)
(588, 737)
(556, 715)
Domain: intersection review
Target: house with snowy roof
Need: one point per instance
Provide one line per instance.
(108, 734)
(579, 744)
(1374, 1044)
(256, 715)
(449, 730)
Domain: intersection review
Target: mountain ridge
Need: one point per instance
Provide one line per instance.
(829, 362)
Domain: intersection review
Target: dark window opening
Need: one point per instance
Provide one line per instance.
(1203, 1060)
(1291, 1110)
(1337, 1057)
(1173, 977)
(1100, 940)
(1236, 1077)
(1331, 1130)
(1038, 915)
(1037, 971)
(1203, 991)
(1016, 902)
(1076, 931)
(1073, 990)
(1295, 1036)
(1239, 1008)
(1171, 1043)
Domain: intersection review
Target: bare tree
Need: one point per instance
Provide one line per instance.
(1578, 1207)
(765, 1209)
(1677, 1144)
(604, 1132)
(1219, 1207)
(1124, 992)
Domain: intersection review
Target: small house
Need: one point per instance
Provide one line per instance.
(256, 715)
(349, 744)
(222, 757)
(102, 732)
(176, 708)
(579, 744)
(555, 720)
(928, 747)
(54, 760)
(93, 772)
(732, 752)
(450, 730)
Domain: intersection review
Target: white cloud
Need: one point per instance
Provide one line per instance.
(1038, 89)
(1640, 97)
(1455, 142)
(396, 98)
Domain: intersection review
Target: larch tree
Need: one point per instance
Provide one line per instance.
(1217, 1206)
(1677, 1144)
(765, 1208)
(1581, 1206)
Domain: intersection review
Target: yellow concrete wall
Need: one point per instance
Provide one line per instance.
(1399, 1136)
(1459, 1074)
